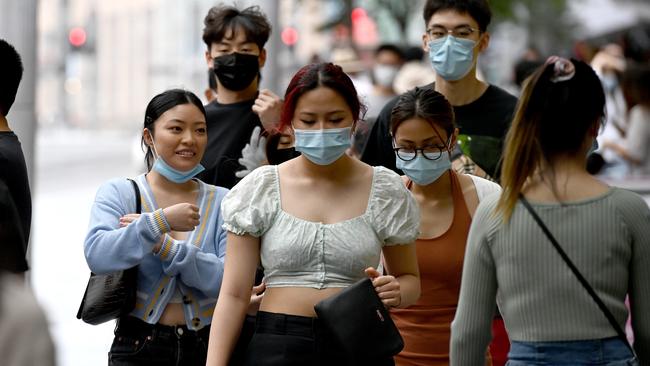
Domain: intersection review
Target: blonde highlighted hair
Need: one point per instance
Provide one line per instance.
(552, 119)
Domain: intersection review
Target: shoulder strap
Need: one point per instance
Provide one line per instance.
(576, 272)
(138, 200)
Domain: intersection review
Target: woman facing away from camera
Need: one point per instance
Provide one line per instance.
(424, 134)
(177, 241)
(605, 231)
(318, 223)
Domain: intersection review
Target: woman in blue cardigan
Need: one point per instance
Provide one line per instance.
(176, 242)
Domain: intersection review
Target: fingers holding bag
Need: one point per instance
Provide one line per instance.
(387, 287)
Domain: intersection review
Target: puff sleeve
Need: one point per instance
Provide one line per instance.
(251, 205)
(395, 213)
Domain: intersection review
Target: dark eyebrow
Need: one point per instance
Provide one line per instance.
(183, 121)
(328, 113)
(456, 27)
(227, 42)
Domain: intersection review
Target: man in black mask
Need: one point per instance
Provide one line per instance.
(235, 42)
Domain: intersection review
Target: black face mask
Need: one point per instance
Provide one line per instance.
(236, 71)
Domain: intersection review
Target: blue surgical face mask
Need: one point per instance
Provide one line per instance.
(174, 175)
(423, 171)
(452, 57)
(323, 147)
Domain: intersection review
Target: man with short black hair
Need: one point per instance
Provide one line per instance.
(13, 170)
(456, 33)
(235, 52)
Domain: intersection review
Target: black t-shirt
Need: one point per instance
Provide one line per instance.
(490, 115)
(13, 243)
(230, 127)
(13, 172)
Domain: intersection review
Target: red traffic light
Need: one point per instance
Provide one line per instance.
(77, 37)
(289, 36)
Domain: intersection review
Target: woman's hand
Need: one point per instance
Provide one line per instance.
(127, 219)
(257, 294)
(387, 287)
(182, 216)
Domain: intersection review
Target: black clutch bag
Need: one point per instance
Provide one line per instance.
(109, 296)
(360, 323)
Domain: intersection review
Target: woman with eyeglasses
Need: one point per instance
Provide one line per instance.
(424, 134)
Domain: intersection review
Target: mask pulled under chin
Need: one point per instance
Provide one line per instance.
(323, 147)
(236, 71)
(175, 175)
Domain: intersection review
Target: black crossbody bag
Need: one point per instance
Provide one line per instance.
(109, 296)
(579, 276)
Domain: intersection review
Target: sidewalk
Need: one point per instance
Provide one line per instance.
(70, 166)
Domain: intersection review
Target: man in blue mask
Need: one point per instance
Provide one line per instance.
(456, 33)
(235, 53)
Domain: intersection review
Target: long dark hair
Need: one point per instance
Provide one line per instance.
(552, 120)
(160, 104)
(311, 77)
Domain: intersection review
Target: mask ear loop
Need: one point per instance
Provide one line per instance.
(153, 145)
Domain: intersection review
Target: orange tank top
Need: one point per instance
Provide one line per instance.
(425, 326)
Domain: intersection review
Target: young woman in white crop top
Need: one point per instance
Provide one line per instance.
(318, 223)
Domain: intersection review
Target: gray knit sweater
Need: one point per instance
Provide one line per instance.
(608, 239)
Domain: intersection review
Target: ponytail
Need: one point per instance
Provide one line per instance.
(559, 103)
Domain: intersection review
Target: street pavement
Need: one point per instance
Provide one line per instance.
(70, 166)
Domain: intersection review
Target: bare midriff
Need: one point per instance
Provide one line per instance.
(172, 315)
(295, 300)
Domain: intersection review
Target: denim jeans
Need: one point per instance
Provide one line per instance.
(602, 352)
(139, 343)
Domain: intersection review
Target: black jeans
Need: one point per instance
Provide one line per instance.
(139, 343)
(287, 340)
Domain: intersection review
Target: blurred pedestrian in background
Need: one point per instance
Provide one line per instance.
(388, 59)
(634, 148)
(415, 72)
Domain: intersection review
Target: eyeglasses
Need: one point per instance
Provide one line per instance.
(463, 31)
(431, 152)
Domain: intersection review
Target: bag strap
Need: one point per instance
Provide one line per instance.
(138, 209)
(576, 272)
(138, 200)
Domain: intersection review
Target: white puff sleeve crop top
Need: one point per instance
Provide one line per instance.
(300, 253)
